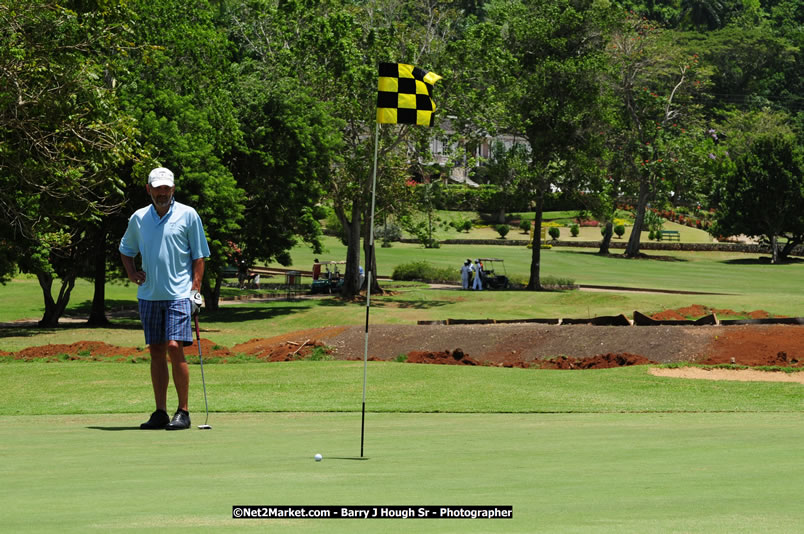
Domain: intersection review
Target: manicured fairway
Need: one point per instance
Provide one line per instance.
(560, 472)
(80, 388)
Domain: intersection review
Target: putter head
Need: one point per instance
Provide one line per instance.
(205, 427)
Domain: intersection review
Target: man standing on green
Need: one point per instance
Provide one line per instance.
(169, 237)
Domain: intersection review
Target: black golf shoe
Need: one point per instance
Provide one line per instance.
(159, 420)
(181, 420)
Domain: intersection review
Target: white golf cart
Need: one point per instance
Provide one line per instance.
(492, 279)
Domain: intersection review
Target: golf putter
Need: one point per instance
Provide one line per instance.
(205, 426)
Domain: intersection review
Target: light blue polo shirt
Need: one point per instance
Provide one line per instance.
(168, 246)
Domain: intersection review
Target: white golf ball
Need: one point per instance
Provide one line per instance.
(318, 457)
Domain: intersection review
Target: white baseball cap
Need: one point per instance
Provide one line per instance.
(160, 176)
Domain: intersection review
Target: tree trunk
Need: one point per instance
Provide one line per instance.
(370, 253)
(212, 295)
(54, 308)
(351, 281)
(774, 249)
(792, 242)
(632, 250)
(604, 245)
(97, 315)
(534, 284)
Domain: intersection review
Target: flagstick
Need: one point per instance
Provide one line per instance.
(368, 283)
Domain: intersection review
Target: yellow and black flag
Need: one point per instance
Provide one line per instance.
(405, 94)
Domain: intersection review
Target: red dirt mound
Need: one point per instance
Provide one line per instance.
(601, 361)
(505, 345)
(79, 350)
(259, 345)
(692, 312)
(96, 350)
(209, 349)
(456, 357)
(696, 311)
(288, 351)
(776, 345)
(515, 363)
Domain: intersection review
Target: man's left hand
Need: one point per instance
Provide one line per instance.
(196, 301)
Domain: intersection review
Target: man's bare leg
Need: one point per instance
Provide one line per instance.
(181, 372)
(160, 378)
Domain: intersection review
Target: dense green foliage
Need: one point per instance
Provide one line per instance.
(265, 108)
(425, 271)
(765, 194)
(177, 86)
(64, 135)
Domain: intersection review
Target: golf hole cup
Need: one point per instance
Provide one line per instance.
(318, 457)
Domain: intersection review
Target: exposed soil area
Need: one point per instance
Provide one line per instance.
(524, 345)
(740, 375)
(696, 311)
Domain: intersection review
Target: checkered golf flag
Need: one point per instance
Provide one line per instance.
(405, 94)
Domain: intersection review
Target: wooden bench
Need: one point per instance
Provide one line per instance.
(671, 235)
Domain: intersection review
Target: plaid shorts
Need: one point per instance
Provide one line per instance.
(166, 320)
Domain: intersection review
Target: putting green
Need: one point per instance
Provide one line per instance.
(689, 472)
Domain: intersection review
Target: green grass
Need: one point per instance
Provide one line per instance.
(487, 230)
(238, 323)
(615, 450)
(318, 386)
(560, 472)
(592, 233)
(737, 281)
(22, 298)
(717, 272)
(572, 451)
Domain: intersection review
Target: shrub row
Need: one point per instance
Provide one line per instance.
(424, 271)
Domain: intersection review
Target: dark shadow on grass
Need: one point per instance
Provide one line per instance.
(762, 260)
(336, 302)
(113, 306)
(234, 314)
(360, 459)
(377, 302)
(31, 329)
(642, 255)
(237, 314)
(113, 428)
(25, 331)
(409, 304)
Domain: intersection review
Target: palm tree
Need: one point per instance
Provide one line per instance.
(702, 12)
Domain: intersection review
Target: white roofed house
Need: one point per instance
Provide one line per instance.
(459, 159)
